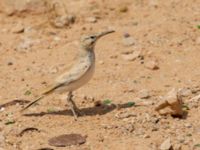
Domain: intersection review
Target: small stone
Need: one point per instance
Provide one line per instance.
(172, 104)
(67, 140)
(188, 125)
(56, 38)
(10, 63)
(63, 21)
(26, 44)
(91, 19)
(18, 28)
(166, 145)
(101, 62)
(146, 136)
(54, 70)
(131, 56)
(126, 35)
(129, 41)
(144, 94)
(123, 9)
(151, 65)
(185, 92)
(2, 109)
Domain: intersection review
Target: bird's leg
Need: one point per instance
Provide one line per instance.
(73, 106)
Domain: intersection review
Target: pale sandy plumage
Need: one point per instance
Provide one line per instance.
(78, 75)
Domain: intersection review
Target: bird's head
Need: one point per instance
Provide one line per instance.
(88, 42)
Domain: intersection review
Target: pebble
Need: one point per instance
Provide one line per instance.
(129, 41)
(185, 92)
(151, 65)
(91, 19)
(2, 109)
(131, 56)
(9, 63)
(53, 70)
(144, 94)
(123, 9)
(146, 136)
(188, 125)
(101, 62)
(18, 28)
(27, 43)
(63, 21)
(166, 145)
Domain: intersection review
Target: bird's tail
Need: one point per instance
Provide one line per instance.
(35, 101)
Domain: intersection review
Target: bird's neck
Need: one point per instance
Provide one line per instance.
(86, 54)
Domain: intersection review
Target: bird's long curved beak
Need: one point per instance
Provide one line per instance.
(104, 33)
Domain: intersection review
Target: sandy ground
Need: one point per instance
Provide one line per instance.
(165, 32)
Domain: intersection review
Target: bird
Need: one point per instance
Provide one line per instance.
(80, 73)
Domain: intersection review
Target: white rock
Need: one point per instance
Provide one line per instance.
(129, 41)
(18, 28)
(131, 56)
(166, 145)
(144, 93)
(151, 65)
(185, 92)
(91, 19)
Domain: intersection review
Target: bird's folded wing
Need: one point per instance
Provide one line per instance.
(67, 78)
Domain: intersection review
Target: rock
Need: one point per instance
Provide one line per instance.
(62, 21)
(153, 3)
(123, 9)
(91, 19)
(144, 94)
(146, 136)
(129, 41)
(27, 43)
(126, 35)
(67, 140)
(172, 104)
(18, 28)
(101, 62)
(10, 63)
(131, 56)
(166, 145)
(185, 92)
(153, 65)
(188, 125)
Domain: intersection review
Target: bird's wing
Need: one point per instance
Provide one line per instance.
(67, 78)
(73, 74)
(64, 79)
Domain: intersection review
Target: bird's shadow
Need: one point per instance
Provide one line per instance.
(90, 111)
